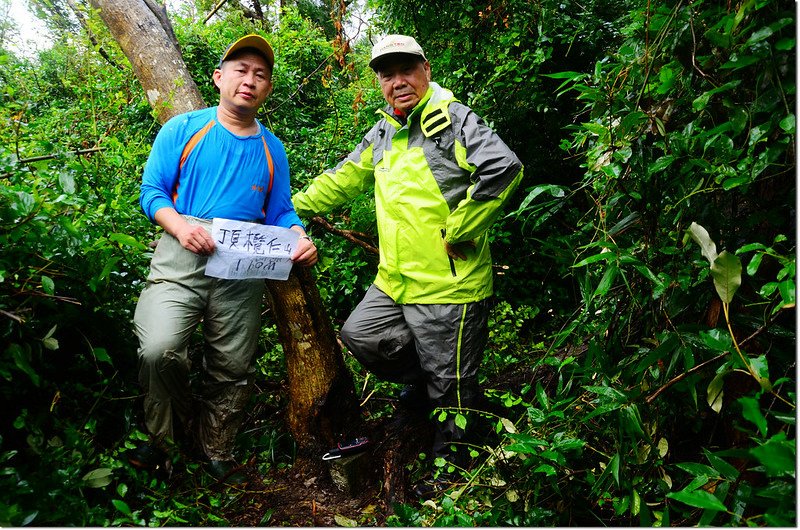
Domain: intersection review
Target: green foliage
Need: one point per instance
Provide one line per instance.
(678, 113)
(616, 393)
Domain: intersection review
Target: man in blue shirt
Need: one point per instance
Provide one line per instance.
(214, 162)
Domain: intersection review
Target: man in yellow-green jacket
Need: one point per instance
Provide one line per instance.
(441, 177)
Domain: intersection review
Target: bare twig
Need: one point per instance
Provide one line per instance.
(302, 83)
(12, 316)
(67, 299)
(684, 375)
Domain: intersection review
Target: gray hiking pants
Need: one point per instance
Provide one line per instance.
(177, 297)
(438, 346)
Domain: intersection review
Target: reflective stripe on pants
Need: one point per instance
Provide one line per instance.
(438, 345)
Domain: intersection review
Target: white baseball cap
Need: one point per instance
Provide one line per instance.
(395, 44)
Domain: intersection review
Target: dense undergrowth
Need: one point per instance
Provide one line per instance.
(641, 367)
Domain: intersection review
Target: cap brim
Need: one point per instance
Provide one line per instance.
(394, 57)
(251, 41)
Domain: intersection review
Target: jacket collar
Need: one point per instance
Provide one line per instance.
(435, 97)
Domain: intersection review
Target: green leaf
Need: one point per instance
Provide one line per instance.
(735, 182)
(602, 409)
(541, 395)
(701, 237)
(67, 182)
(751, 410)
(636, 503)
(126, 240)
(565, 75)
(716, 339)
(758, 36)
(740, 61)
(698, 470)
(603, 256)
(98, 478)
(721, 466)
(755, 262)
(727, 273)
(102, 355)
(714, 392)
(631, 420)
(698, 499)
(760, 368)
(48, 285)
(788, 124)
(461, 421)
(547, 469)
(607, 391)
(787, 291)
(607, 281)
(613, 464)
(777, 455)
(122, 506)
(701, 101)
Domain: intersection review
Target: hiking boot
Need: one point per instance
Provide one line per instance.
(415, 397)
(150, 457)
(227, 472)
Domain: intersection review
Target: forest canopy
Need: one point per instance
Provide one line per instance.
(641, 367)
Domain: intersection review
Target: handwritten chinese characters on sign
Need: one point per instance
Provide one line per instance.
(249, 250)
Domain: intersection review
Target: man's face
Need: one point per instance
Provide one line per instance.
(244, 82)
(404, 82)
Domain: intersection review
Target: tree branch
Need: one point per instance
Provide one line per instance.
(161, 14)
(214, 11)
(684, 375)
(56, 155)
(358, 238)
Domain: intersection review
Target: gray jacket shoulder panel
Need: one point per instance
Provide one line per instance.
(495, 163)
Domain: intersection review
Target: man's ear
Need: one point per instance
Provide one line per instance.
(216, 76)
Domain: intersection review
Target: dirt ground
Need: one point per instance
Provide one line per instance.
(306, 495)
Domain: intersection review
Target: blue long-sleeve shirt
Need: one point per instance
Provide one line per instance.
(224, 175)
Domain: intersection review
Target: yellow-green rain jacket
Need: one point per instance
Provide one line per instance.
(442, 175)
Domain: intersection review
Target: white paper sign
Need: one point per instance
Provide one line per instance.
(249, 250)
